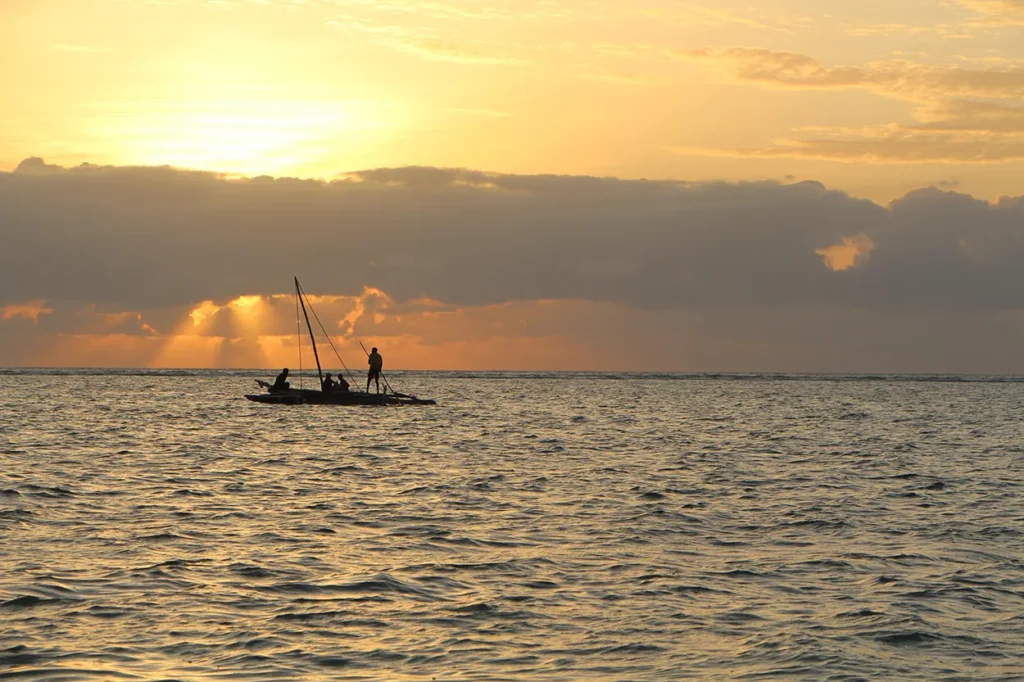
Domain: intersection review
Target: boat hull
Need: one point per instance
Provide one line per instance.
(341, 398)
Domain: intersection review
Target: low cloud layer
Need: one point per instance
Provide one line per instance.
(442, 255)
(152, 237)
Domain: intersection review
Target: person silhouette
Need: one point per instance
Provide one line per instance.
(281, 383)
(376, 365)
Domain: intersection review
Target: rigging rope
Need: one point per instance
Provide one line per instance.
(298, 336)
(317, 318)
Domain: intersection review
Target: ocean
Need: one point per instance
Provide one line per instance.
(157, 526)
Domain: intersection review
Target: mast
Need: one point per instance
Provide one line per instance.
(312, 340)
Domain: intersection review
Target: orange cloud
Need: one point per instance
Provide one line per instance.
(258, 332)
(349, 321)
(109, 322)
(998, 11)
(966, 113)
(202, 312)
(851, 252)
(30, 311)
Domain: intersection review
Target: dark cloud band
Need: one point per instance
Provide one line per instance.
(140, 238)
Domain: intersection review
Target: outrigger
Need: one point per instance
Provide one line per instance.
(307, 396)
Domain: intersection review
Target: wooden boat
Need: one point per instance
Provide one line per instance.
(306, 396)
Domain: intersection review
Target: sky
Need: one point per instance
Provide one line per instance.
(796, 185)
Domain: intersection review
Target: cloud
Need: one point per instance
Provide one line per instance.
(997, 11)
(30, 310)
(64, 47)
(853, 251)
(436, 49)
(626, 79)
(902, 78)
(435, 9)
(226, 4)
(974, 116)
(888, 144)
(941, 31)
(192, 267)
(693, 16)
(962, 115)
(144, 237)
(37, 166)
(425, 42)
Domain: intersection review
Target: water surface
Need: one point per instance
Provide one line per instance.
(548, 527)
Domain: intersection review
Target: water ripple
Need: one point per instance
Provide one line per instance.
(561, 527)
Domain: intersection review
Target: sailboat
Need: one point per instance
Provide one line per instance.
(307, 396)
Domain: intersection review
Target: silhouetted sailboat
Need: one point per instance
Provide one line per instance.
(306, 396)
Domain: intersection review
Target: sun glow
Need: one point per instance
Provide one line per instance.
(243, 303)
(247, 137)
(247, 315)
(202, 312)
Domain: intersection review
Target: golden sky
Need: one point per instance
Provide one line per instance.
(875, 98)
(803, 107)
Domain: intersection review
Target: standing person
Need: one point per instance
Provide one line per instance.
(376, 365)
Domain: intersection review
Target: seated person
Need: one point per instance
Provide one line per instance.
(328, 384)
(341, 385)
(281, 383)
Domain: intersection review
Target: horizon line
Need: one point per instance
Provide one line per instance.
(836, 373)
